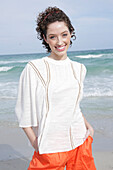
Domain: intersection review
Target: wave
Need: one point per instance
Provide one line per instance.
(4, 84)
(5, 69)
(16, 61)
(8, 98)
(11, 69)
(90, 56)
(99, 94)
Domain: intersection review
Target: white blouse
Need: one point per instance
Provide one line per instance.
(48, 100)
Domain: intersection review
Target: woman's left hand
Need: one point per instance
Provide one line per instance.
(90, 130)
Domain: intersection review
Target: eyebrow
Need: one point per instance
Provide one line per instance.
(61, 33)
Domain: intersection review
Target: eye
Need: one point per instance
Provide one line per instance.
(64, 35)
(52, 37)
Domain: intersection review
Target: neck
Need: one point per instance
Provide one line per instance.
(57, 57)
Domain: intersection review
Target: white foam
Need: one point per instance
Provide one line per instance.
(90, 56)
(5, 68)
(4, 84)
(99, 94)
(18, 61)
(7, 97)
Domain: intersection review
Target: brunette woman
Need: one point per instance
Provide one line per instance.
(48, 104)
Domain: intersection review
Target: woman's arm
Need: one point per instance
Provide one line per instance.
(32, 137)
(89, 127)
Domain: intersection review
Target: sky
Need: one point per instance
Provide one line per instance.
(92, 20)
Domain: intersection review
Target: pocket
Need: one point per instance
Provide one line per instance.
(86, 155)
(90, 138)
(51, 159)
(87, 145)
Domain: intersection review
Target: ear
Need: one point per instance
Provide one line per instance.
(45, 39)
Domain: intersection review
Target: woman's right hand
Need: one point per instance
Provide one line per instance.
(32, 137)
(35, 144)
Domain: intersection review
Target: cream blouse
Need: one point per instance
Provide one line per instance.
(48, 100)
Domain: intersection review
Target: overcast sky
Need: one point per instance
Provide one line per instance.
(92, 19)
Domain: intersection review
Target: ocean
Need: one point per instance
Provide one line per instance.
(97, 102)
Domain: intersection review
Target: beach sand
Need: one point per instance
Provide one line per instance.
(15, 153)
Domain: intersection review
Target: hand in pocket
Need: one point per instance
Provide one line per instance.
(35, 144)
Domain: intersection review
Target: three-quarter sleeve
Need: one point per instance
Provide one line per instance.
(82, 73)
(26, 101)
(82, 78)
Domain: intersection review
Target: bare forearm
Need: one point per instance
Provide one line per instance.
(31, 136)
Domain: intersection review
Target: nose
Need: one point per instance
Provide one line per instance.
(59, 40)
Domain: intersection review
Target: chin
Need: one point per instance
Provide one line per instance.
(61, 53)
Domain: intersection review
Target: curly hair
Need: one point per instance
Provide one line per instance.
(50, 15)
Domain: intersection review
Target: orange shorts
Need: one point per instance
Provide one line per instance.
(79, 158)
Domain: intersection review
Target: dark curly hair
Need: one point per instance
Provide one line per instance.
(50, 15)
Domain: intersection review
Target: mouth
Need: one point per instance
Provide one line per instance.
(60, 48)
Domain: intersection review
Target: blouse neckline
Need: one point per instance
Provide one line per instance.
(57, 62)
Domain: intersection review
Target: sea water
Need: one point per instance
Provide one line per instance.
(97, 102)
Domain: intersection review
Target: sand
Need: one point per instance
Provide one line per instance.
(15, 153)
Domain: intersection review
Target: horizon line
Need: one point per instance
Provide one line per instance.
(26, 53)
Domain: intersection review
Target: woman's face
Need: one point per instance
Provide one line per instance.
(58, 37)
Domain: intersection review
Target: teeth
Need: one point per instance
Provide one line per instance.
(60, 48)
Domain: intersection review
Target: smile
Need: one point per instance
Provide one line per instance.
(60, 48)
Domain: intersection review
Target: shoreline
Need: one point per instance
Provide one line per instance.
(15, 153)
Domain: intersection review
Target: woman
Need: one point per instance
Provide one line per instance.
(49, 94)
